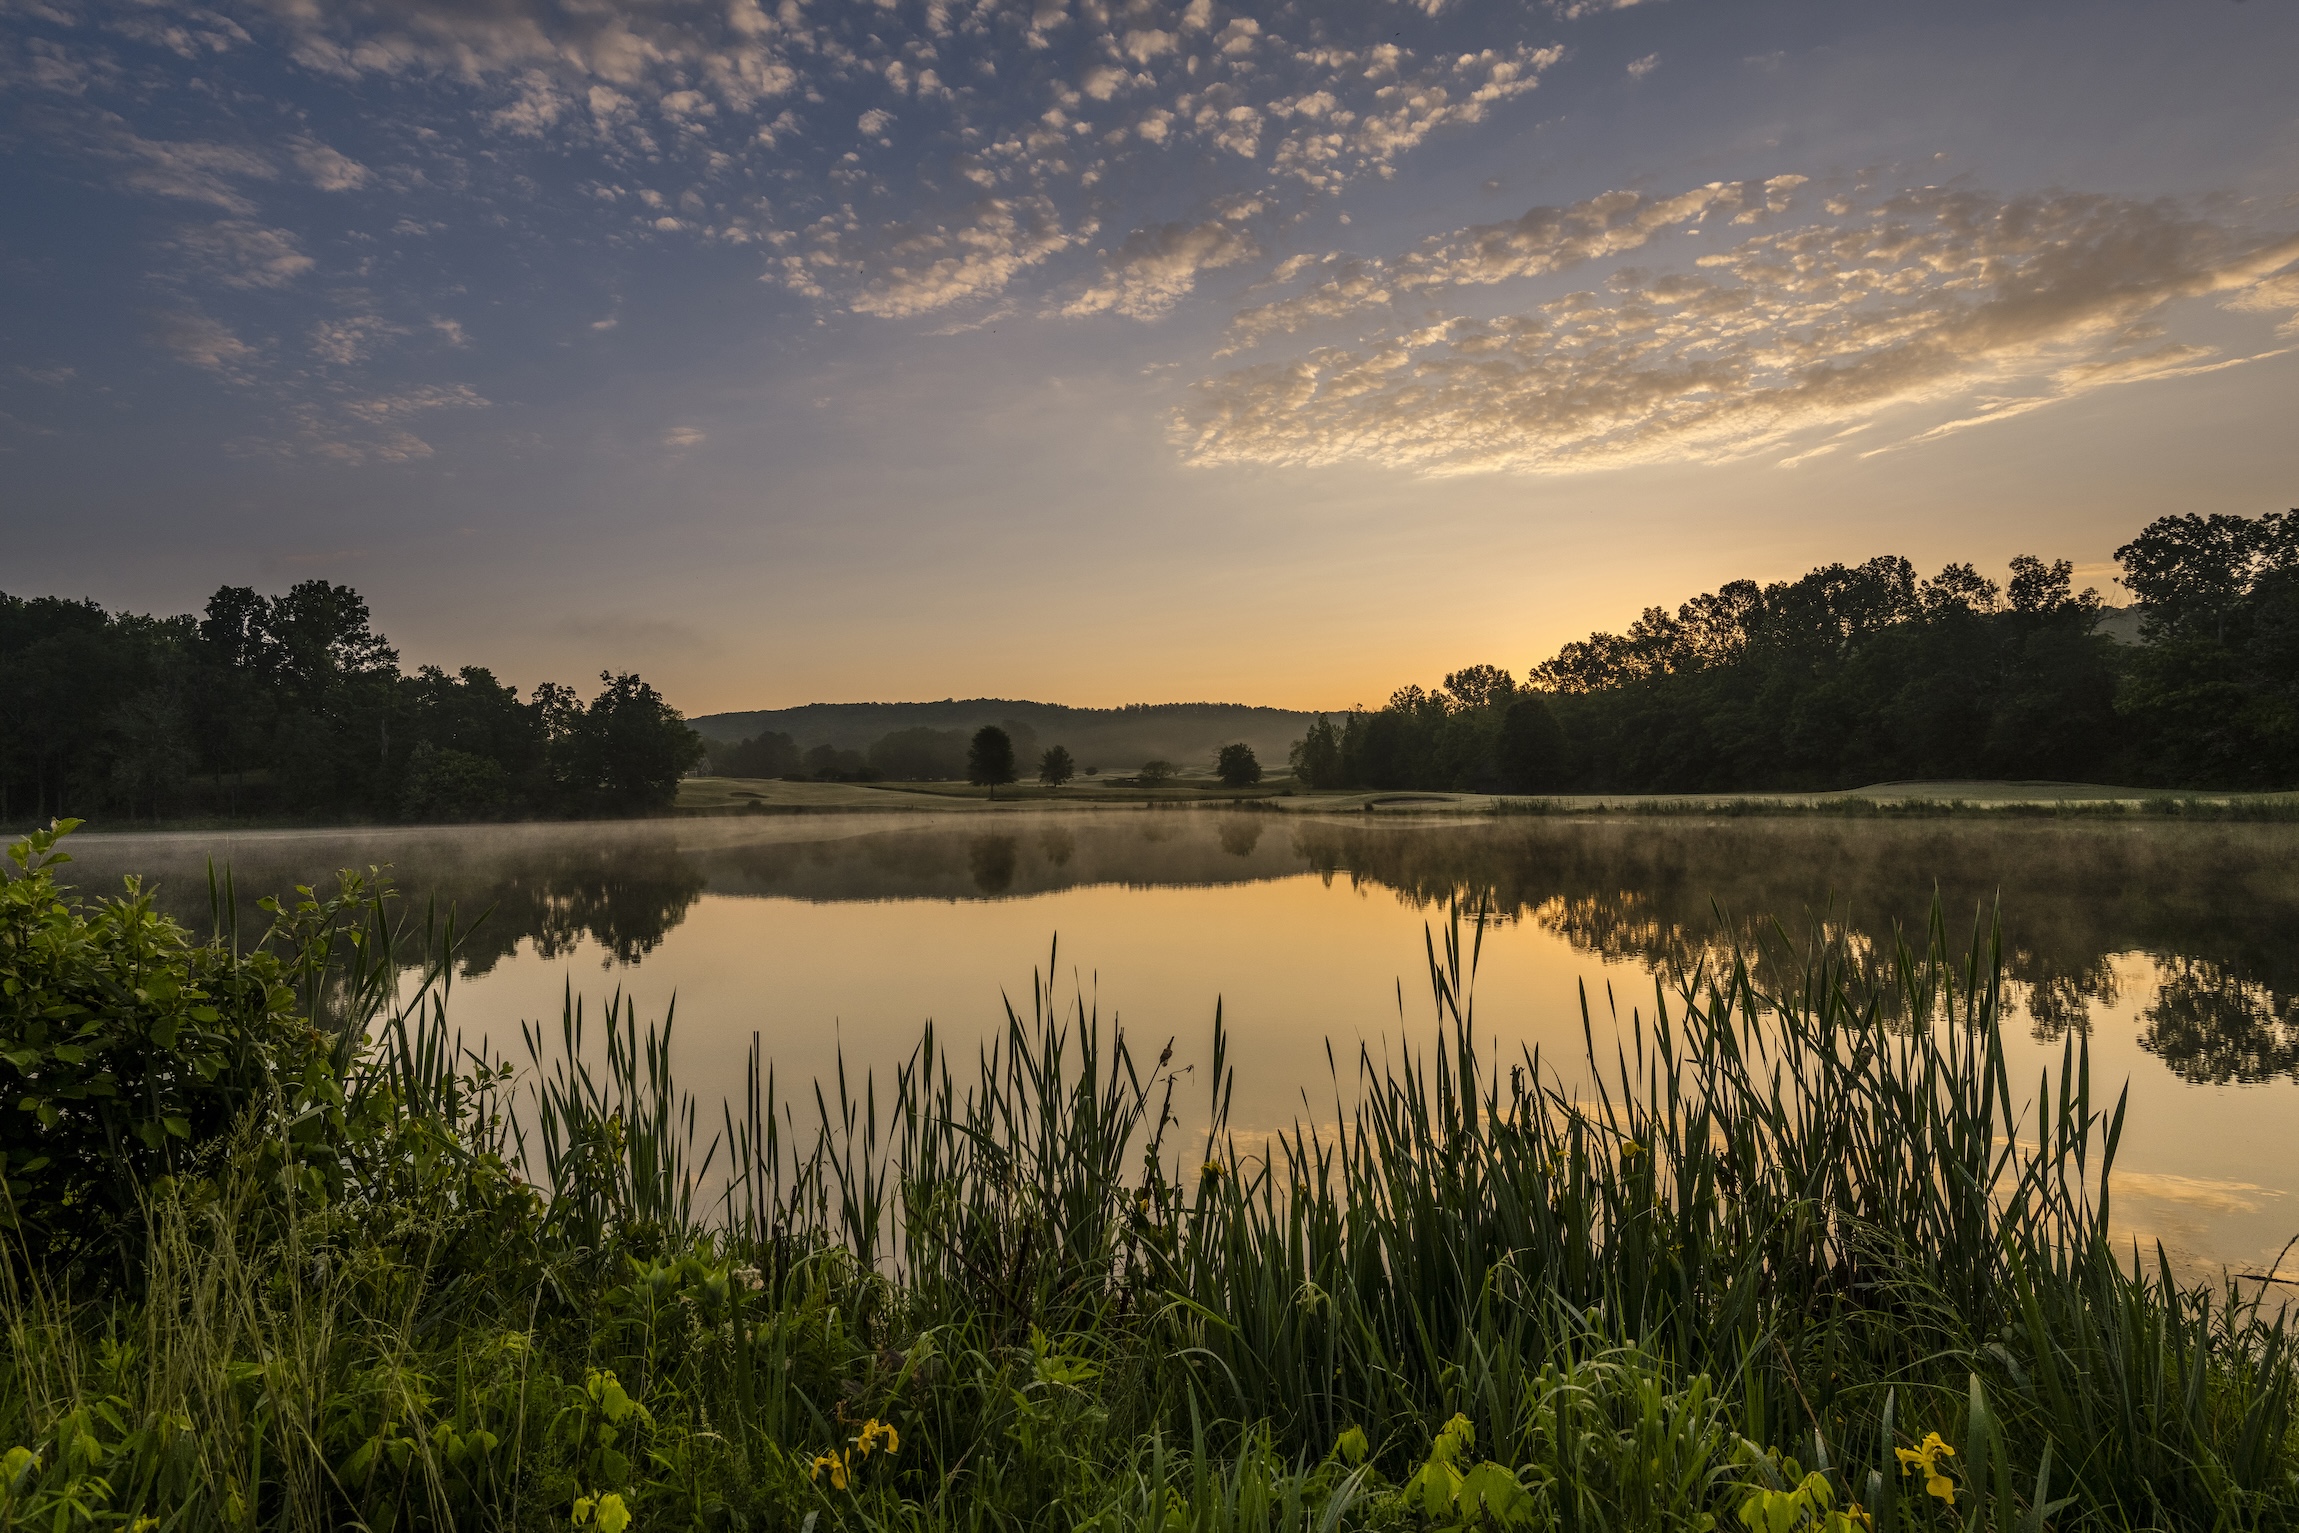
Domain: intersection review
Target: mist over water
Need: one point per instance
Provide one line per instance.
(2167, 949)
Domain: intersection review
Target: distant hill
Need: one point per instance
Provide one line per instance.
(1113, 739)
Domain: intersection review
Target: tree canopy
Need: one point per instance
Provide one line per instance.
(1867, 673)
(990, 757)
(296, 705)
(1236, 766)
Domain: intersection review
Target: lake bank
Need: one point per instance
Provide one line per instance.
(708, 796)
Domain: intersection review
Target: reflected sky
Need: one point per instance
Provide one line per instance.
(2167, 948)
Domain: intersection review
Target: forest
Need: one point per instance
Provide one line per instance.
(295, 707)
(1857, 674)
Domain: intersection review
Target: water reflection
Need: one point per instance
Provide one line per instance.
(2215, 909)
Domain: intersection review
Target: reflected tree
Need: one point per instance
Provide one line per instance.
(2213, 1026)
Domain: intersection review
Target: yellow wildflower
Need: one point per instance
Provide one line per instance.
(836, 1464)
(605, 1512)
(1212, 1169)
(875, 1432)
(1926, 1456)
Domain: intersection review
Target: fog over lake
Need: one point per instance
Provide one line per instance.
(2167, 948)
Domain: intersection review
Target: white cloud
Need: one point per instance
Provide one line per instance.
(1543, 240)
(682, 436)
(708, 101)
(201, 341)
(1157, 268)
(1142, 44)
(327, 169)
(381, 408)
(909, 270)
(1638, 68)
(351, 339)
(1576, 10)
(242, 254)
(191, 171)
(1934, 295)
(2276, 295)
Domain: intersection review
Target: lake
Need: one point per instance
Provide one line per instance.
(2172, 948)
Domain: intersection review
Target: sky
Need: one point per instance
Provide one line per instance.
(1103, 352)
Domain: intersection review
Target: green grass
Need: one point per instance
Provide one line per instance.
(2238, 808)
(1778, 1234)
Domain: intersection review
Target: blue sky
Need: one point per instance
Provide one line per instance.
(1106, 352)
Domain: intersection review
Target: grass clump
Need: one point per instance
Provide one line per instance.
(1799, 1257)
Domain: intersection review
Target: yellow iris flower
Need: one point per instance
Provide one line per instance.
(1926, 1456)
(836, 1464)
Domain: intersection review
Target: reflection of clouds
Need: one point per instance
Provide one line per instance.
(2201, 1193)
(2010, 303)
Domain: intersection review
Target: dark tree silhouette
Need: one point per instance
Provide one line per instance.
(1316, 756)
(990, 757)
(1236, 766)
(1056, 766)
(1532, 749)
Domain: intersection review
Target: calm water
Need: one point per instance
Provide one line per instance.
(2174, 947)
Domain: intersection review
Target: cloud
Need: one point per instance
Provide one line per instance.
(1640, 67)
(908, 270)
(682, 436)
(352, 430)
(1577, 10)
(1932, 295)
(1550, 239)
(1346, 130)
(1156, 268)
(379, 408)
(1352, 285)
(191, 171)
(2276, 295)
(351, 339)
(200, 341)
(327, 169)
(916, 157)
(238, 253)
(1541, 241)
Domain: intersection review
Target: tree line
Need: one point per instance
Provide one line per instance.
(991, 756)
(1867, 673)
(295, 706)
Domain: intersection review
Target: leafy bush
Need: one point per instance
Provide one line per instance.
(130, 1052)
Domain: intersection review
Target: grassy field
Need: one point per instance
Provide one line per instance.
(284, 1254)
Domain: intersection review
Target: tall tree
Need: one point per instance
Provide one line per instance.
(1532, 748)
(1316, 756)
(634, 746)
(1236, 765)
(1057, 766)
(990, 757)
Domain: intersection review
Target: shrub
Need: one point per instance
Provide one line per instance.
(129, 1051)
